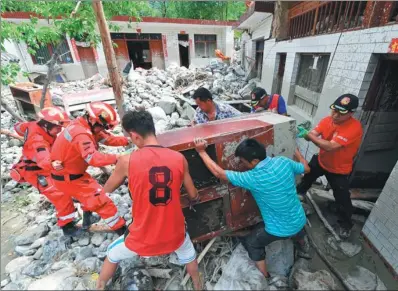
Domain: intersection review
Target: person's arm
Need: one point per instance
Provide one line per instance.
(20, 128)
(322, 143)
(90, 154)
(216, 170)
(188, 183)
(119, 174)
(282, 106)
(109, 139)
(42, 153)
(302, 161)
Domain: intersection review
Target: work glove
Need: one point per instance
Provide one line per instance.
(302, 132)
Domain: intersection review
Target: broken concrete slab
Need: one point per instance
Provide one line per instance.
(241, 273)
(361, 278)
(280, 257)
(319, 280)
(347, 248)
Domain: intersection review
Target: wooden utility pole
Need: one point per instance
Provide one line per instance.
(114, 75)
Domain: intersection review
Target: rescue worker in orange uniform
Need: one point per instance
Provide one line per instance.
(76, 149)
(35, 166)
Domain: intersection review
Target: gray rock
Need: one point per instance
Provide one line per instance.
(361, 278)
(180, 122)
(53, 281)
(320, 280)
(61, 265)
(38, 254)
(11, 286)
(128, 264)
(80, 286)
(84, 253)
(156, 261)
(11, 184)
(137, 279)
(84, 241)
(127, 199)
(5, 282)
(123, 209)
(17, 264)
(116, 198)
(98, 238)
(31, 235)
(187, 112)
(35, 269)
(70, 283)
(38, 243)
(24, 250)
(23, 282)
(280, 257)
(168, 104)
(104, 245)
(350, 249)
(90, 265)
(55, 248)
(102, 255)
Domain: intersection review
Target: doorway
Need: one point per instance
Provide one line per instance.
(183, 46)
(280, 72)
(379, 150)
(139, 53)
(259, 57)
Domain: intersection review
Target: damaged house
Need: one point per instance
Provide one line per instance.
(152, 42)
(319, 50)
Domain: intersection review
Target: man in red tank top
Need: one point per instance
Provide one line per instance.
(155, 175)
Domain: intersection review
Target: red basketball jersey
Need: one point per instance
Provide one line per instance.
(155, 178)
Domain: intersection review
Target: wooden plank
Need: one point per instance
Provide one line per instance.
(357, 15)
(102, 228)
(339, 16)
(351, 14)
(315, 21)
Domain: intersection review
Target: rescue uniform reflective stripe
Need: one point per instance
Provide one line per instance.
(102, 140)
(69, 216)
(88, 158)
(67, 135)
(111, 221)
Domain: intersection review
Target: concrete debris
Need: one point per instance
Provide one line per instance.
(53, 281)
(137, 279)
(347, 248)
(361, 278)
(319, 280)
(31, 235)
(280, 257)
(240, 273)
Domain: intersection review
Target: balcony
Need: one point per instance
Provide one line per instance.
(321, 17)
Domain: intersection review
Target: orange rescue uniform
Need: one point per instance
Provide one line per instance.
(36, 162)
(77, 148)
(158, 226)
(349, 135)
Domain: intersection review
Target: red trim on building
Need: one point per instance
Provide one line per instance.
(27, 15)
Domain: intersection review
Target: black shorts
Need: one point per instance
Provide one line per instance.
(258, 239)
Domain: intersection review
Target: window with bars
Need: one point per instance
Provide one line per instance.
(44, 53)
(205, 45)
(310, 78)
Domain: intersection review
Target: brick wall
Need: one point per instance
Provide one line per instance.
(351, 67)
(381, 228)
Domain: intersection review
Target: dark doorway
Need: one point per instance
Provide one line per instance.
(379, 150)
(183, 45)
(259, 57)
(280, 73)
(139, 53)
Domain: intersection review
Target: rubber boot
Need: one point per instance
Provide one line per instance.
(70, 229)
(121, 231)
(88, 220)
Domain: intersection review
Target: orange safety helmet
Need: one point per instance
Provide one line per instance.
(54, 115)
(103, 113)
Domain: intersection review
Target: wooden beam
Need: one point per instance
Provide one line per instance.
(110, 58)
